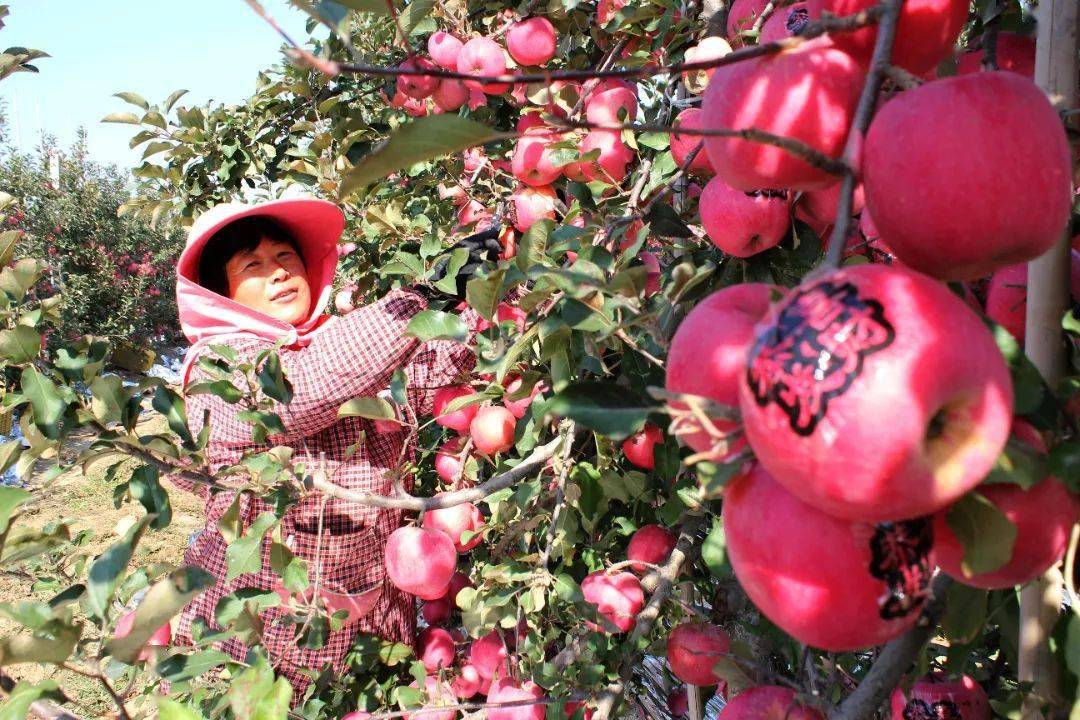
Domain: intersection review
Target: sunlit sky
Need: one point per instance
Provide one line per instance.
(213, 48)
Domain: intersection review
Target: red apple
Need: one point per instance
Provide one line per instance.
(785, 22)
(533, 159)
(532, 41)
(833, 584)
(652, 274)
(505, 312)
(450, 95)
(420, 561)
(694, 649)
(967, 175)
(708, 352)
(678, 702)
(458, 419)
(492, 430)
(1006, 299)
(612, 165)
(438, 694)
(343, 301)
(606, 10)
(617, 597)
(488, 656)
(710, 48)
(417, 86)
(483, 57)
(638, 448)
(741, 18)
(935, 696)
(435, 648)
(455, 521)
(925, 34)
(768, 702)
(436, 612)
(743, 224)
(508, 690)
(518, 408)
(467, 683)
(683, 145)
(856, 345)
(807, 93)
(531, 204)
(1014, 52)
(472, 214)
(651, 545)
(449, 465)
(160, 637)
(613, 105)
(573, 706)
(821, 206)
(444, 49)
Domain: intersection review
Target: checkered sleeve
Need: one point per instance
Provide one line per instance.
(440, 363)
(354, 356)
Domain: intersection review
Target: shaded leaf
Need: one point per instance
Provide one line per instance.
(429, 325)
(171, 405)
(164, 600)
(373, 408)
(108, 569)
(609, 409)
(244, 555)
(984, 532)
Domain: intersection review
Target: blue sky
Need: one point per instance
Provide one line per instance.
(213, 48)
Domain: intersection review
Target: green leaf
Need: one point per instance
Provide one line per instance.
(164, 600)
(8, 240)
(532, 249)
(1065, 463)
(171, 710)
(108, 569)
(457, 260)
(984, 532)
(422, 139)
(134, 99)
(714, 551)
(484, 293)
(413, 14)
(272, 380)
(109, 398)
(45, 401)
(373, 408)
(146, 489)
(1018, 464)
(9, 455)
(171, 406)
(122, 117)
(373, 6)
(293, 570)
(244, 555)
(965, 613)
(20, 344)
(255, 694)
(429, 325)
(1028, 385)
(10, 499)
(55, 647)
(25, 694)
(607, 408)
(181, 667)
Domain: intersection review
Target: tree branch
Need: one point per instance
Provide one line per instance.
(864, 112)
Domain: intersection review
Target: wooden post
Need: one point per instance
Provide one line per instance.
(693, 692)
(1048, 291)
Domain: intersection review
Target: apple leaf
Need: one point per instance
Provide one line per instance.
(714, 551)
(171, 710)
(164, 600)
(1018, 464)
(1029, 388)
(25, 694)
(610, 410)
(244, 555)
(373, 408)
(429, 325)
(425, 138)
(965, 612)
(984, 532)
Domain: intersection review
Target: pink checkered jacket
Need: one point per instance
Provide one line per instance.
(328, 360)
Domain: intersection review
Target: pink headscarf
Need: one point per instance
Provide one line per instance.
(207, 317)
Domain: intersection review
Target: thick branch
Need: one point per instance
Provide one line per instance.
(609, 699)
(864, 112)
(895, 659)
(526, 467)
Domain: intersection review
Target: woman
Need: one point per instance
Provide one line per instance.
(252, 276)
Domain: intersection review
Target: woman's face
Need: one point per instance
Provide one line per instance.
(271, 279)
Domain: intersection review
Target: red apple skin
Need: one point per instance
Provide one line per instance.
(821, 206)
(1043, 515)
(784, 23)
(743, 225)
(531, 204)
(824, 580)
(970, 216)
(531, 42)
(916, 354)
(925, 34)
(652, 276)
(518, 408)
(467, 683)
(488, 655)
(450, 95)
(438, 693)
(683, 145)
(963, 695)
(505, 312)
(617, 597)
(435, 648)
(448, 461)
(710, 48)
(1015, 53)
(506, 690)
(459, 420)
(160, 637)
(420, 561)
(417, 87)
(343, 300)
(678, 702)
(356, 715)
(612, 166)
(458, 582)
(436, 612)
(612, 106)
(444, 49)
(1006, 299)
(741, 18)
(456, 520)
(483, 56)
(573, 706)
(694, 649)
(768, 702)
(708, 351)
(639, 447)
(808, 93)
(492, 430)
(532, 161)
(651, 544)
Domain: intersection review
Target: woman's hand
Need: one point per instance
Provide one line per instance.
(483, 247)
